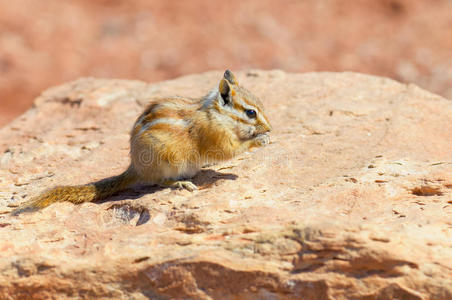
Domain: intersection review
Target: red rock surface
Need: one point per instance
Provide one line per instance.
(351, 200)
(44, 43)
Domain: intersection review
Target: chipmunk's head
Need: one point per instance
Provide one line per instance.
(240, 108)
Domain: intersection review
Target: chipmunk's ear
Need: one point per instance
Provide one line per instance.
(225, 90)
(229, 76)
(226, 87)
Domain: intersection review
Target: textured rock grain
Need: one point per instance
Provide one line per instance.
(352, 199)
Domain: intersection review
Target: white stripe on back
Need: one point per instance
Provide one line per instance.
(169, 121)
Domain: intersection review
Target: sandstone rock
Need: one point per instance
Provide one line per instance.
(351, 200)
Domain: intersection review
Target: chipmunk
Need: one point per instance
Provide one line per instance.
(173, 138)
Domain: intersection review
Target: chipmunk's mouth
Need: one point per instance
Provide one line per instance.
(250, 136)
(258, 134)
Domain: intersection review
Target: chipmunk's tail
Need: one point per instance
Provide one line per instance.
(82, 193)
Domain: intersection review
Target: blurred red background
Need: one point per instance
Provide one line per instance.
(45, 43)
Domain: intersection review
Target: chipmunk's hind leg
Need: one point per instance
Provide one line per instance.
(179, 184)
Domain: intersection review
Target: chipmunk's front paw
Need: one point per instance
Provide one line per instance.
(262, 140)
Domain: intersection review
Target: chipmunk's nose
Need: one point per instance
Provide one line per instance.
(264, 128)
(264, 124)
(268, 127)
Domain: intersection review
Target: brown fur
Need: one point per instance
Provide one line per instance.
(83, 193)
(172, 139)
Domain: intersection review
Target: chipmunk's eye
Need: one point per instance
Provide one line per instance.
(250, 113)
